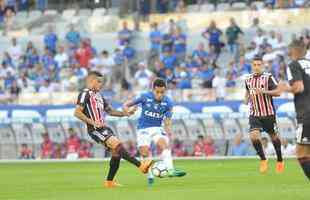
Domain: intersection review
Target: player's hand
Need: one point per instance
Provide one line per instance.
(130, 111)
(98, 124)
(283, 86)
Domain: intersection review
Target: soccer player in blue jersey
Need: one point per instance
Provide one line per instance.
(156, 111)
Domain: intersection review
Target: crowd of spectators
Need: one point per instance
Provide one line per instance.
(64, 62)
(72, 148)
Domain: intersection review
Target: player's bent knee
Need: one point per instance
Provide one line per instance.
(162, 143)
(113, 142)
(254, 135)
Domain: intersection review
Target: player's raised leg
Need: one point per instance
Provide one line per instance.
(257, 144)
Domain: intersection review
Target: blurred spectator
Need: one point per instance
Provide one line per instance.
(59, 151)
(200, 52)
(213, 34)
(46, 87)
(268, 147)
(46, 147)
(143, 76)
(179, 43)
(169, 60)
(178, 148)
(128, 51)
(209, 148)
(41, 4)
(184, 81)
(232, 34)
(155, 37)
(50, 40)
(169, 76)
(15, 51)
(8, 20)
(260, 37)
(206, 75)
(144, 8)
(72, 145)
(14, 90)
(125, 35)
(26, 152)
(85, 151)
(288, 149)
(181, 7)
(162, 6)
(239, 147)
(23, 5)
(61, 57)
(199, 146)
(73, 37)
(83, 54)
(219, 84)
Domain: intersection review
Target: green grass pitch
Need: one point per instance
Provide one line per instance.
(206, 179)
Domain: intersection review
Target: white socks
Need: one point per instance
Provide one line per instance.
(167, 158)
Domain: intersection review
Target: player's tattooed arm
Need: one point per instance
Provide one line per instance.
(296, 87)
(78, 113)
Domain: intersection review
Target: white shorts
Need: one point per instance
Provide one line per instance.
(148, 135)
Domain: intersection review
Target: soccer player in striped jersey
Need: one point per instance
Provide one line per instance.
(260, 89)
(156, 111)
(91, 108)
(298, 74)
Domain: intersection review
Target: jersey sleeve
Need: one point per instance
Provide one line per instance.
(82, 98)
(294, 72)
(272, 83)
(138, 100)
(168, 113)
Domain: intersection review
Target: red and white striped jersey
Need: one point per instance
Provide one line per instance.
(261, 105)
(95, 106)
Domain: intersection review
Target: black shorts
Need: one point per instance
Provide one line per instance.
(267, 124)
(101, 135)
(303, 133)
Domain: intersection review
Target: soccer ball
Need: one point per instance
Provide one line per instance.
(159, 169)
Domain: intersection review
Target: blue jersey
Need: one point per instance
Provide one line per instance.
(153, 112)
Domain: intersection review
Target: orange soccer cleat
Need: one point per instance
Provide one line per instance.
(111, 184)
(263, 168)
(280, 167)
(145, 165)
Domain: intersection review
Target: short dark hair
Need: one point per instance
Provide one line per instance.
(297, 44)
(94, 73)
(257, 58)
(158, 82)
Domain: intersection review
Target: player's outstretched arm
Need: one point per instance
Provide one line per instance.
(124, 113)
(296, 87)
(275, 92)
